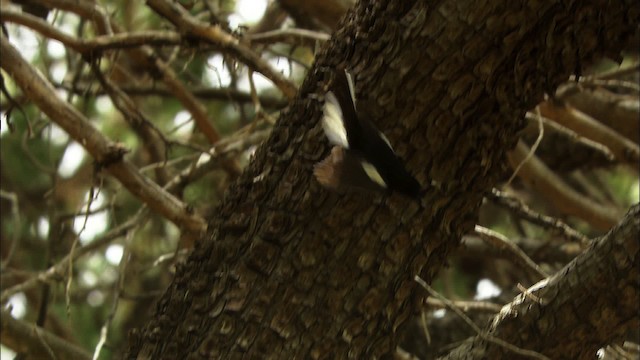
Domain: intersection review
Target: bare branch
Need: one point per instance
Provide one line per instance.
(521, 209)
(545, 181)
(36, 341)
(186, 23)
(499, 241)
(107, 154)
(98, 43)
(572, 315)
(205, 93)
(624, 149)
(60, 267)
(15, 213)
(290, 36)
(466, 306)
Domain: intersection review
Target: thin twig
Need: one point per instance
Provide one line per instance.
(200, 168)
(107, 154)
(38, 343)
(425, 327)
(119, 286)
(15, 236)
(596, 146)
(92, 196)
(466, 306)
(557, 191)
(494, 238)
(58, 269)
(522, 210)
(533, 148)
(44, 343)
(203, 92)
(180, 18)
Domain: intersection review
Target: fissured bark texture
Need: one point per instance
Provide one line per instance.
(591, 303)
(292, 271)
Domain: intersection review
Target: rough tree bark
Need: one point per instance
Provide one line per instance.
(292, 271)
(587, 305)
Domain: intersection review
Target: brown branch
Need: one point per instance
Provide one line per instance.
(522, 210)
(466, 306)
(590, 303)
(86, 9)
(152, 138)
(97, 44)
(614, 74)
(500, 242)
(624, 149)
(107, 154)
(36, 342)
(511, 349)
(536, 249)
(62, 265)
(178, 89)
(289, 36)
(552, 187)
(189, 25)
(617, 112)
(563, 149)
(321, 13)
(206, 93)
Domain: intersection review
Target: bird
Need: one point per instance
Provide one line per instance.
(362, 156)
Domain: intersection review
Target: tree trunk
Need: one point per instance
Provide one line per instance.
(291, 270)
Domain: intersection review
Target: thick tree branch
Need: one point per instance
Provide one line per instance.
(589, 304)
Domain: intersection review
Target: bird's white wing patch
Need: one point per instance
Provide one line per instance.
(385, 140)
(333, 121)
(373, 174)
